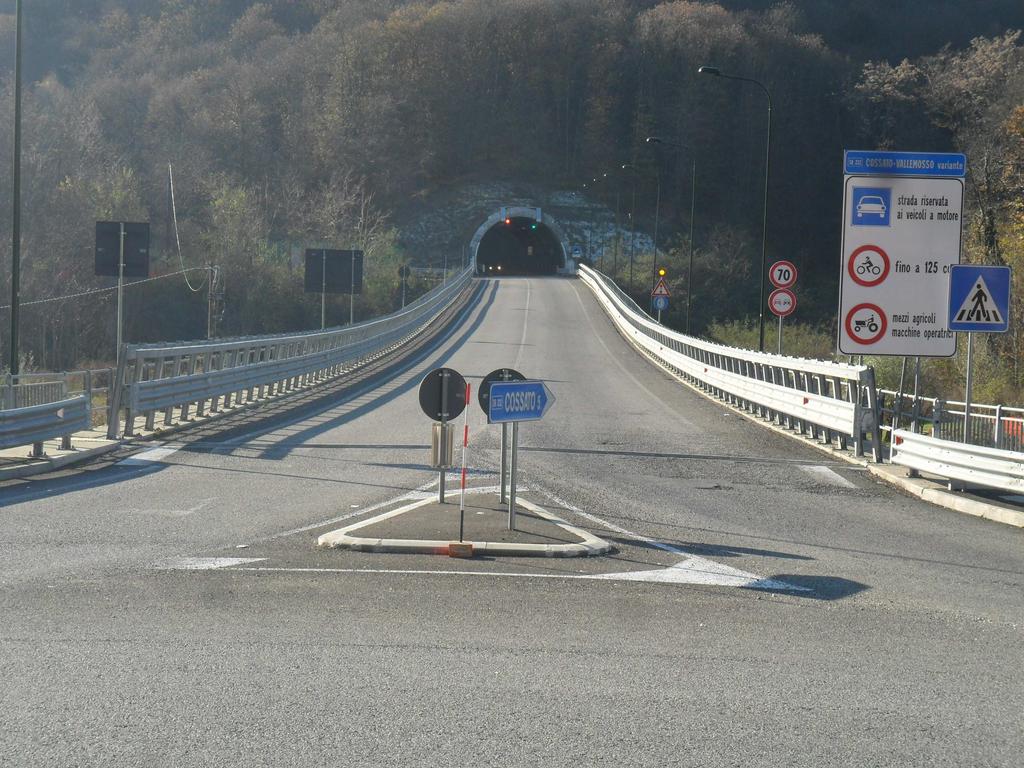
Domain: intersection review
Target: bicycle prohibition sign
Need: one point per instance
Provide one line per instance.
(868, 265)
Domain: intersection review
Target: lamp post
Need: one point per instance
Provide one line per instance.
(693, 202)
(657, 217)
(618, 197)
(632, 224)
(16, 212)
(716, 72)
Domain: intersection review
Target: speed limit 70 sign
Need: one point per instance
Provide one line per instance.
(782, 274)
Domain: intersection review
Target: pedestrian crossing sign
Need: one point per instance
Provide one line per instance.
(661, 289)
(979, 298)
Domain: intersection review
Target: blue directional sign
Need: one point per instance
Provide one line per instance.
(518, 401)
(661, 303)
(979, 298)
(945, 165)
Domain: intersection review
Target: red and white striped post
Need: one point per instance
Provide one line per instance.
(465, 443)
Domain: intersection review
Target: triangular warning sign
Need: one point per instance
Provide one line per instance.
(661, 289)
(979, 306)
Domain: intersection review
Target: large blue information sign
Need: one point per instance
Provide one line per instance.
(518, 401)
(979, 298)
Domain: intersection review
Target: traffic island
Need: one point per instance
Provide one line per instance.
(428, 527)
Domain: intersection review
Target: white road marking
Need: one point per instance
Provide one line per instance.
(169, 512)
(829, 476)
(526, 322)
(677, 574)
(422, 492)
(676, 415)
(153, 455)
(204, 563)
(693, 569)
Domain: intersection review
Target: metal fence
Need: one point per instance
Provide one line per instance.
(204, 376)
(989, 426)
(832, 402)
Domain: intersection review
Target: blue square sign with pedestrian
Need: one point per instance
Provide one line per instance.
(871, 206)
(979, 298)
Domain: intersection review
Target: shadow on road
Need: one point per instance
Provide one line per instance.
(820, 587)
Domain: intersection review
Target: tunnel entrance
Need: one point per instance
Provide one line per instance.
(519, 241)
(519, 246)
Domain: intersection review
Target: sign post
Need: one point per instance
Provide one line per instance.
(660, 296)
(484, 397)
(782, 301)
(443, 395)
(979, 302)
(129, 240)
(512, 402)
(902, 221)
(332, 271)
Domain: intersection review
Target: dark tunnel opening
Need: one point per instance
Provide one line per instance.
(519, 246)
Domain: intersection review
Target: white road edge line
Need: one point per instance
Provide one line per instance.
(826, 475)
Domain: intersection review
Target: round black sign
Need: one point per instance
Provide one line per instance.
(404, 271)
(443, 394)
(502, 374)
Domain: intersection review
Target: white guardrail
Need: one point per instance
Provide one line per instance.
(160, 377)
(829, 401)
(966, 465)
(36, 423)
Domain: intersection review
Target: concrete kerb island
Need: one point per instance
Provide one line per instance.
(427, 517)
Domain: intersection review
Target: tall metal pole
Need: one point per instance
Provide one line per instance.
(16, 219)
(323, 289)
(120, 296)
(689, 270)
(352, 292)
(632, 232)
(512, 479)
(657, 215)
(716, 72)
(969, 389)
(764, 220)
(209, 301)
(443, 439)
(503, 466)
(615, 261)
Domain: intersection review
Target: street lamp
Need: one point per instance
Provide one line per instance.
(632, 224)
(16, 212)
(716, 72)
(657, 216)
(693, 201)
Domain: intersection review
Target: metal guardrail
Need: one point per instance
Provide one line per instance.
(961, 463)
(992, 426)
(209, 374)
(830, 401)
(34, 424)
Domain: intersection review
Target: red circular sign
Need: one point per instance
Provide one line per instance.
(864, 271)
(782, 302)
(873, 324)
(782, 274)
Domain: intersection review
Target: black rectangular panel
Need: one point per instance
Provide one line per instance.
(136, 248)
(344, 271)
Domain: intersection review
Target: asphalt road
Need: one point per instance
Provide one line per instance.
(897, 639)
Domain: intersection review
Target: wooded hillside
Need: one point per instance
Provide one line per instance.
(294, 123)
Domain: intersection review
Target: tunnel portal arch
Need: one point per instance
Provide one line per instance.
(528, 249)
